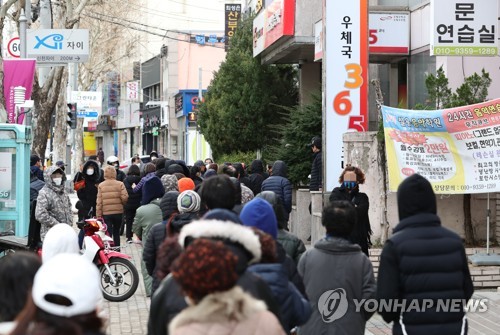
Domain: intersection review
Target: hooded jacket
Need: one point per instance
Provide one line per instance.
(53, 204)
(423, 260)
(111, 194)
(279, 184)
(168, 299)
(349, 270)
(226, 313)
(35, 186)
(257, 177)
(88, 194)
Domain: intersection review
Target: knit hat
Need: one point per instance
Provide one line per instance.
(152, 189)
(169, 182)
(168, 204)
(222, 214)
(188, 201)
(61, 238)
(70, 276)
(415, 196)
(259, 213)
(185, 184)
(205, 267)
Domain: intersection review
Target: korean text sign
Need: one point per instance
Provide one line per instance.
(464, 27)
(346, 59)
(456, 149)
(232, 17)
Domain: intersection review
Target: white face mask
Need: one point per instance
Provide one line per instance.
(90, 172)
(57, 181)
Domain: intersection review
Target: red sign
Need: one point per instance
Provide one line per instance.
(277, 20)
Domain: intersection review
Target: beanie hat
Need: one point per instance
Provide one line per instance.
(415, 196)
(222, 214)
(175, 168)
(260, 214)
(61, 238)
(185, 184)
(70, 276)
(152, 189)
(205, 267)
(168, 204)
(169, 182)
(188, 202)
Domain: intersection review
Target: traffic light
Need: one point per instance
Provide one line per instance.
(192, 117)
(71, 120)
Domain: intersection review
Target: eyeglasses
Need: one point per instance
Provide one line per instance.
(350, 184)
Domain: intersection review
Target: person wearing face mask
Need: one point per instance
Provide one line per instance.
(349, 180)
(53, 204)
(113, 161)
(88, 194)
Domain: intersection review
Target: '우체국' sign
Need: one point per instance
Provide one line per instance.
(456, 149)
(464, 27)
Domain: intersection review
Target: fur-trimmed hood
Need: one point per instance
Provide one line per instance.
(220, 307)
(224, 230)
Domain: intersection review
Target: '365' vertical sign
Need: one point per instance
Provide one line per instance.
(346, 66)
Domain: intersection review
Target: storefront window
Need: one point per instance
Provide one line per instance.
(419, 66)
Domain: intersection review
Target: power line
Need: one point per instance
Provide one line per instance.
(147, 31)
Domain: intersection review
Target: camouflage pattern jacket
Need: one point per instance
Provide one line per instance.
(53, 205)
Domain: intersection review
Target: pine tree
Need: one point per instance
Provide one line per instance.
(242, 103)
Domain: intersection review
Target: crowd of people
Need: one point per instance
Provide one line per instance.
(218, 257)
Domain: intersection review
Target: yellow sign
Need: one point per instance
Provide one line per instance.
(89, 144)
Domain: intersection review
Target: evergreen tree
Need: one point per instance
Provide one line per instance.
(242, 103)
(294, 148)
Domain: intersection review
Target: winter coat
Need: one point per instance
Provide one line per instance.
(423, 260)
(295, 309)
(316, 181)
(362, 230)
(257, 177)
(168, 204)
(279, 184)
(226, 313)
(156, 236)
(53, 204)
(168, 301)
(35, 186)
(120, 175)
(336, 264)
(290, 268)
(134, 198)
(294, 247)
(38, 172)
(145, 217)
(111, 194)
(88, 194)
(143, 180)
